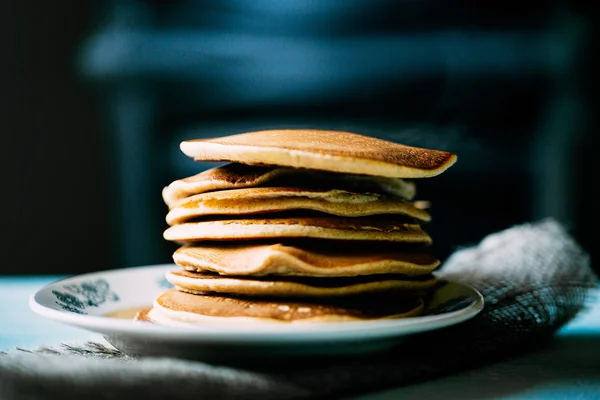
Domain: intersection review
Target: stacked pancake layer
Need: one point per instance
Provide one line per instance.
(303, 239)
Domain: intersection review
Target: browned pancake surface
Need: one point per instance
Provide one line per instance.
(303, 259)
(310, 281)
(311, 148)
(204, 282)
(360, 228)
(374, 307)
(277, 199)
(236, 176)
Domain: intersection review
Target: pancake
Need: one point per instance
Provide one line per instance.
(324, 150)
(305, 260)
(236, 176)
(177, 308)
(277, 199)
(209, 283)
(359, 228)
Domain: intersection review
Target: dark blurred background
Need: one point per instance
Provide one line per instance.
(96, 97)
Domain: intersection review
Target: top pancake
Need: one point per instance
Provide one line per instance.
(324, 150)
(237, 176)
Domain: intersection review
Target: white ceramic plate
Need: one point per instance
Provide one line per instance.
(86, 300)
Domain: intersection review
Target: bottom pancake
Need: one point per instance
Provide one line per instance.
(206, 282)
(176, 308)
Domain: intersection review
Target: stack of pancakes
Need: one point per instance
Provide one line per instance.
(301, 226)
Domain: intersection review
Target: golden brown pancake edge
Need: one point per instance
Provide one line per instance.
(335, 151)
(266, 200)
(185, 307)
(202, 283)
(291, 259)
(333, 228)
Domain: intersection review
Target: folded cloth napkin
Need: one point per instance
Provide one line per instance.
(534, 278)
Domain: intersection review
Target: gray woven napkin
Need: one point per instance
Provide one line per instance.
(534, 278)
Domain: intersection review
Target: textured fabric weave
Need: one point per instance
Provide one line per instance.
(534, 278)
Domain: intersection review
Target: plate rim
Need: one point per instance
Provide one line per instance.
(273, 334)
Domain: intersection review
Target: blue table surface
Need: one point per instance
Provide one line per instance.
(570, 368)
